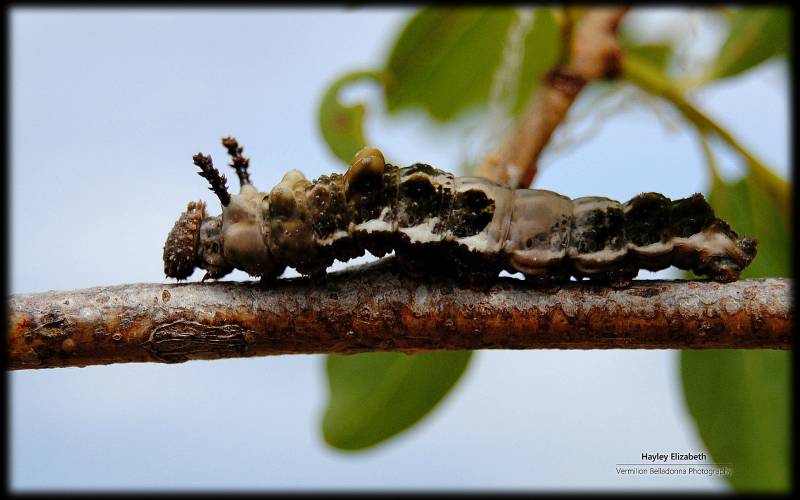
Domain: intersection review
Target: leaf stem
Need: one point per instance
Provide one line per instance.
(711, 161)
(651, 79)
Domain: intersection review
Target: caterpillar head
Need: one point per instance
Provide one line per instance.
(195, 241)
(237, 239)
(180, 249)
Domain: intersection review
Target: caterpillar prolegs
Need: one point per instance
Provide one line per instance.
(435, 222)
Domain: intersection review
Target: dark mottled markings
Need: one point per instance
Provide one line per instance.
(615, 228)
(647, 219)
(418, 199)
(370, 194)
(368, 197)
(391, 178)
(555, 236)
(598, 228)
(328, 206)
(379, 244)
(442, 226)
(690, 215)
(471, 212)
(420, 168)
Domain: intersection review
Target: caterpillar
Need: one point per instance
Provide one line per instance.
(435, 222)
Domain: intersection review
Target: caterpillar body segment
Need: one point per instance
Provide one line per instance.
(436, 222)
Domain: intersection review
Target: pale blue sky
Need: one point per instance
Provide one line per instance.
(107, 107)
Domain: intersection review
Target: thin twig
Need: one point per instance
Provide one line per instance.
(377, 307)
(594, 52)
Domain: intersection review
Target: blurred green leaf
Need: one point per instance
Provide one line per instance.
(444, 59)
(756, 34)
(342, 126)
(657, 54)
(740, 399)
(542, 51)
(375, 396)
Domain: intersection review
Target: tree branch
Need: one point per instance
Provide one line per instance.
(594, 52)
(377, 307)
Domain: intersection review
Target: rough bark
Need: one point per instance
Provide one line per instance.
(594, 53)
(377, 307)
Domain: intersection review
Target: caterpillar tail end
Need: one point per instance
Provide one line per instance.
(748, 248)
(725, 270)
(180, 249)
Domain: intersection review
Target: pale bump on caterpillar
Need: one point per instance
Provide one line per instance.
(467, 227)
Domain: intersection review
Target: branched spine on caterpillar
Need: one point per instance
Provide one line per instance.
(469, 227)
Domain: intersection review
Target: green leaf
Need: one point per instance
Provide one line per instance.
(542, 50)
(740, 399)
(375, 396)
(657, 54)
(444, 59)
(342, 126)
(756, 34)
